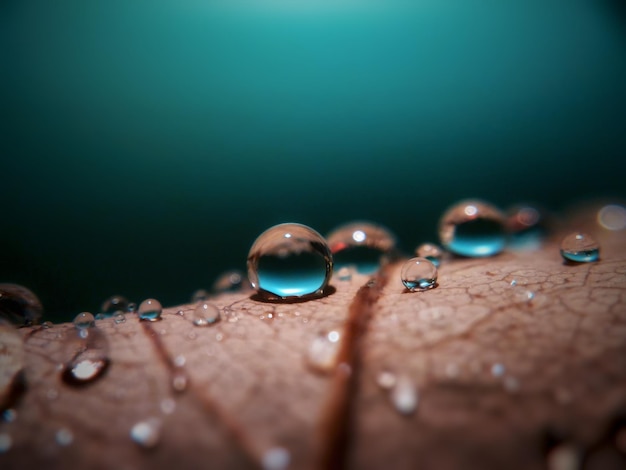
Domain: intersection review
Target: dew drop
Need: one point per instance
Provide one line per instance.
(132, 307)
(473, 228)
(84, 320)
(64, 437)
(564, 457)
(180, 361)
(362, 245)
(526, 227)
(323, 351)
(431, 252)
(150, 310)
(19, 306)
(11, 360)
(118, 318)
(276, 458)
(386, 380)
(47, 325)
(179, 381)
(404, 396)
(6, 442)
(580, 248)
(289, 261)
(205, 314)
(86, 351)
(146, 433)
(230, 281)
(418, 274)
(199, 296)
(114, 304)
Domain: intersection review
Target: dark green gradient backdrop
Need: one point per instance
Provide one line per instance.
(145, 144)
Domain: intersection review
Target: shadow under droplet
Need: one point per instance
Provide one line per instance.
(264, 296)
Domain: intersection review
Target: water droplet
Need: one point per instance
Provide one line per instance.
(473, 228)
(84, 320)
(323, 351)
(9, 415)
(179, 381)
(580, 248)
(564, 457)
(150, 310)
(86, 351)
(344, 274)
(404, 396)
(363, 245)
(11, 360)
(180, 313)
(64, 437)
(132, 307)
(6, 442)
(231, 281)
(289, 261)
(19, 306)
(612, 217)
(114, 304)
(526, 227)
(199, 295)
(168, 406)
(180, 361)
(119, 317)
(47, 325)
(276, 458)
(386, 380)
(205, 314)
(431, 252)
(497, 370)
(146, 433)
(419, 274)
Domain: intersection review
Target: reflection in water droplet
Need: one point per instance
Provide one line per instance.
(230, 281)
(276, 458)
(363, 245)
(564, 457)
(114, 304)
(119, 317)
(418, 274)
(404, 396)
(205, 314)
(19, 306)
(526, 227)
(199, 295)
(580, 248)
(86, 351)
(323, 350)
(84, 320)
(9, 415)
(473, 228)
(431, 252)
(386, 380)
(150, 310)
(11, 360)
(612, 217)
(146, 433)
(289, 261)
(6, 442)
(64, 437)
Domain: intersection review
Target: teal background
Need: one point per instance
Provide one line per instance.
(145, 144)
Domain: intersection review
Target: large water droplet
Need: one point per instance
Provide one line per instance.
(230, 281)
(323, 351)
(473, 228)
(84, 320)
(87, 353)
(526, 227)
(205, 314)
(114, 304)
(419, 274)
(146, 433)
(19, 305)
(289, 261)
(11, 361)
(363, 245)
(580, 248)
(431, 252)
(404, 395)
(150, 310)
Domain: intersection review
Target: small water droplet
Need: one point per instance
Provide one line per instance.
(419, 274)
(179, 381)
(386, 380)
(11, 360)
(231, 281)
(84, 320)
(526, 227)
(132, 307)
(199, 295)
(219, 337)
(168, 406)
(580, 248)
(276, 458)
(114, 304)
(323, 351)
(180, 361)
(564, 457)
(47, 325)
(404, 396)
(205, 314)
(146, 433)
(431, 252)
(180, 313)
(150, 310)
(289, 261)
(119, 317)
(612, 217)
(6, 442)
(363, 245)
(9, 415)
(64, 437)
(19, 306)
(473, 228)
(86, 351)
(497, 370)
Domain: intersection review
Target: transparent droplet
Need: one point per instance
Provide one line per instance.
(199, 295)
(180, 361)
(431, 252)
(344, 274)
(84, 320)
(47, 325)
(323, 351)
(290, 261)
(276, 458)
(564, 457)
(11, 360)
(146, 433)
(419, 274)
(114, 304)
(526, 227)
(19, 306)
(150, 310)
(580, 248)
(362, 245)
(404, 395)
(231, 281)
(205, 314)
(64, 437)
(87, 356)
(132, 307)
(119, 317)
(6, 442)
(473, 228)
(386, 380)
(612, 217)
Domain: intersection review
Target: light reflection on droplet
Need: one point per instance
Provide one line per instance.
(146, 433)
(386, 379)
(276, 458)
(322, 352)
(612, 217)
(404, 396)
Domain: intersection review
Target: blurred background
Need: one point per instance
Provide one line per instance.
(146, 144)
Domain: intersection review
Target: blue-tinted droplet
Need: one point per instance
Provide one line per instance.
(431, 252)
(362, 245)
(19, 306)
(580, 248)
(289, 261)
(473, 228)
(205, 314)
(199, 295)
(84, 320)
(419, 274)
(150, 310)
(114, 304)
(526, 227)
